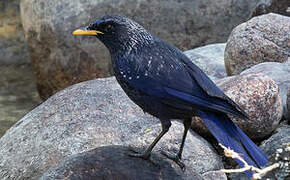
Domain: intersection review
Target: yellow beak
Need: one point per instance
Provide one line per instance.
(86, 32)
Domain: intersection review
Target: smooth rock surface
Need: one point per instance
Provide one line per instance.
(280, 73)
(210, 59)
(264, 38)
(86, 116)
(59, 59)
(258, 95)
(277, 148)
(113, 162)
(13, 48)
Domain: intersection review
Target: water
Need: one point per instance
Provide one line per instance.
(18, 94)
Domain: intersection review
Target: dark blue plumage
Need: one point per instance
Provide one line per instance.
(165, 83)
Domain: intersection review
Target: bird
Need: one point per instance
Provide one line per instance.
(165, 83)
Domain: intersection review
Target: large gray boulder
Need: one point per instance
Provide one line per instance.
(89, 115)
(60, 60)
(210, 59)
(13, 49)
(262, 39)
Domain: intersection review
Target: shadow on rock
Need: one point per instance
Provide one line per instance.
(113, 162)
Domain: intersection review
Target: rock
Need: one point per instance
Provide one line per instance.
(274, 6)
(258, 95)
(13, 49)
(48, 26)
(112, 162)
(210, 59)
(89, 115)
(280, 73)
(277, 148)
(262, 39)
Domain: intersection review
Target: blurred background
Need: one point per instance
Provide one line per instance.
(39, 56)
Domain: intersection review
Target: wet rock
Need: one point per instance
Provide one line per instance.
(13, 49)
(113, 162)
(210, 59)
(280, 73)
(262, 39)
(48, 26)
(277, 148)
(258, 95)
(89, 115)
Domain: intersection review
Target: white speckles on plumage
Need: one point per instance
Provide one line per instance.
(149, 63)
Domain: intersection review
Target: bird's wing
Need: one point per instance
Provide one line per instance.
(170, 75)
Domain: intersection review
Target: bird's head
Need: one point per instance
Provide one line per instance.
(116, 32)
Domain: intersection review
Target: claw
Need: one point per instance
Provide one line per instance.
(174, 158)
(136, 153)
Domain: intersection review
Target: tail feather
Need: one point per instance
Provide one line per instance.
(230, 135)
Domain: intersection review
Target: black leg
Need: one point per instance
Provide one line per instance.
(146, 155)
(187, 124)
(177, 158)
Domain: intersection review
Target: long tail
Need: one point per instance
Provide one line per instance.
(230, 135)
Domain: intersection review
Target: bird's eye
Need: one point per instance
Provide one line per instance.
(108, 28)
(92, 26)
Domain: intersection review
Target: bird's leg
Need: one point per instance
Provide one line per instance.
(146, 155)
(177, 158)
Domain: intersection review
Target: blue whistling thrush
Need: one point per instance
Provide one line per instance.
(161, 80)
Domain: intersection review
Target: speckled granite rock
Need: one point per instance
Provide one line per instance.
(277, 147)
(280, 73)
(48, 26)
(258, 95)
(86, 116)
(13, 49)
(210, 59)
(264, 38)
(112, 162)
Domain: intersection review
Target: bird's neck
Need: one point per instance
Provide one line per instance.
(130, 43)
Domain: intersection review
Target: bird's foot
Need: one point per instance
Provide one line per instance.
(174, 158)
(139, 154)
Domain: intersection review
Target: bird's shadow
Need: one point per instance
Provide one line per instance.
(114, 162)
